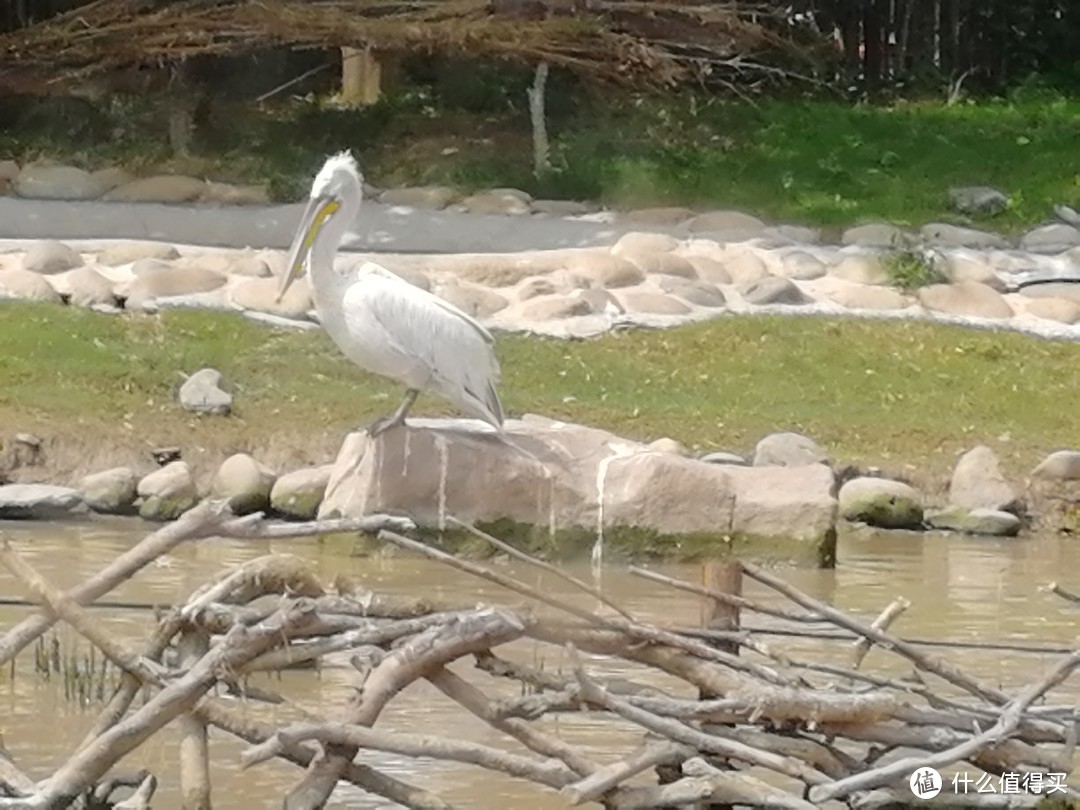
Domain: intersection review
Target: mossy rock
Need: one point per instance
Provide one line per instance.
(160, 508)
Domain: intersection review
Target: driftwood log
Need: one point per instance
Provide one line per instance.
(773, 731)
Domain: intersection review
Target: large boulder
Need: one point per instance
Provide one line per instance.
(299, 493)
(37, 501)
(205, 391)
(566, 482)
(977, 483)
(974, 521)
(58, 183)
(167, 493)
(1054, 491)
(49, 256)
(881, 502)
(110, 492)
(788, 450)
(244, 483)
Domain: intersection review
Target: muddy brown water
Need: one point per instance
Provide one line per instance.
(961, 588)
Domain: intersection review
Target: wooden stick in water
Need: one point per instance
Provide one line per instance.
(890, 614)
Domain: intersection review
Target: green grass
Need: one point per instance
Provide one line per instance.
(887, 393)
(815, 162)
(908, 269)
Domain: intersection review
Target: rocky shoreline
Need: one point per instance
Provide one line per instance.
(566, 491)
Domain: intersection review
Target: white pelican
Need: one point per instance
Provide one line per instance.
(383, 323)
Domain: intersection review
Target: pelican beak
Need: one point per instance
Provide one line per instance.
(318, 210)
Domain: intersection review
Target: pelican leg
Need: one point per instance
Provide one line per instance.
(384, 423)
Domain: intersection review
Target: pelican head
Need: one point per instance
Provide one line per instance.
(338, 186)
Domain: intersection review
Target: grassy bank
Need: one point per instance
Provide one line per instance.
(819, 163)
(904, 396)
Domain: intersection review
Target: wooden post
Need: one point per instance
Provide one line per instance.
(194, 741)
(361, 76)
(725, 577)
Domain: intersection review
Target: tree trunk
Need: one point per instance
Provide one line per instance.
(873, 55)
(541, 147)
(361, 77)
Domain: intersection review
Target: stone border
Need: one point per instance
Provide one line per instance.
(644, 279)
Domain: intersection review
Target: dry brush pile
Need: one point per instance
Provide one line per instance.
(747, 725)
(640, 42)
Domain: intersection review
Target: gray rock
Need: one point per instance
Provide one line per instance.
(874, 234)
(490, 481)
(436, 197)
(977, 483)
(1067, 215)
(773, 290)
(803, 266)
(167, 493)
(24, 284)
(978, 200)
(696, 292)
(111, 492)
(720, 457)
(867, 270)
(793, 234)
(497, 202)
(967, 298)
(881, 502)
(244, 483)
(1063, 465)
(133, 251)
(788, 450)
(726, 222)
(57, 183)
(1055, 309)
(669, 445)
(37, 501)
(600, 301)
(86, 287)
(974, 521)
(636, 242)
(203, 392)
(662, 216)
(561, 208)
(959, 269)
(1054, 238)
(298, 494)
(1064, 290)
(652, 303)
(945, 235)
(49, 256)
(163, 188)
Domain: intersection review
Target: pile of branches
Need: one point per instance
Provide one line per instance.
(636, 42)
(758, 729)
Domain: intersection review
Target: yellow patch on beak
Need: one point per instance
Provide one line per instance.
(315, 217)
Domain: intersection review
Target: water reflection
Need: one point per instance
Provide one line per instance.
(960, 588)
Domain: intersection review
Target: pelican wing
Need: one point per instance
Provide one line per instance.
(435, 339)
